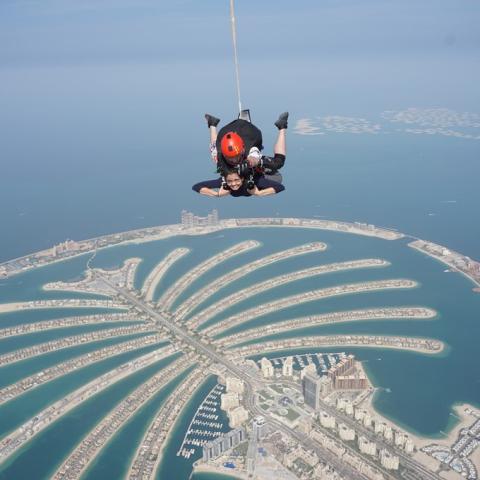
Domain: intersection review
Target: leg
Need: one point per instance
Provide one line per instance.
(212, 123)
(281, 145)
(264, 183)
(213, 134)
(282, 124)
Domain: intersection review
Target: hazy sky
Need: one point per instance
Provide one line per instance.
(102, 102)
(86, 31)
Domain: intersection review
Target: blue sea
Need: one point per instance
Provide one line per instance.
(96, 149)
(415, 390)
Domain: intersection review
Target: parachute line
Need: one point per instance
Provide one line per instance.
(234, 38)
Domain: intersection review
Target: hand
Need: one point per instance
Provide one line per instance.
(253, 161)
(254, 191)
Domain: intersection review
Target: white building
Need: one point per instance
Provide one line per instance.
(379, 426)
(348, 407)
(234, 385)
(326, 420)
(388, 460)
(359, 414)
(237, 417)
(267, 368)
(388, 433)
(287, 367)
(366, 446)
(345, 432)
(409, 446)
(259, 428)
(367, 420)
(399, 439)
(228, 401)
(341, 402)
(326, 386)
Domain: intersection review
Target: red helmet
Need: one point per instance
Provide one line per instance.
(232, 145)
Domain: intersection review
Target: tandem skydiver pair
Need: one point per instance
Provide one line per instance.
(236, 150)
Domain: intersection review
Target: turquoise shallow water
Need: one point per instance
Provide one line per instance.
(115, 458)
(178, 467)
(416, 390)
(33, 461)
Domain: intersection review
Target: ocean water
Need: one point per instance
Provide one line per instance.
(421, 400)
(47, 451)
(419, 184)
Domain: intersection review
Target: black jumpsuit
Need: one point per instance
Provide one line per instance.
(252, 137)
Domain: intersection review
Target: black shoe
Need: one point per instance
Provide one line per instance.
(211, 120)
(282, 121)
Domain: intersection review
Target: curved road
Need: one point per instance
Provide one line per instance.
(323, 454)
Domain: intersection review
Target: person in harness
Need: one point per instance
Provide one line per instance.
(238, 146)
(232, 183)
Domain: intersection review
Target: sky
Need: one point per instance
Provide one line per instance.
(102, 103)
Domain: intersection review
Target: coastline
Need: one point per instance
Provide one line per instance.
(449, 437)
(168, 437)
(159, 232)
(447, 257)
(203, 468)
(48, 304)
(319, 342)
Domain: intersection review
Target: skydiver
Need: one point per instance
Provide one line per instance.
(239, 144)
(236, 185)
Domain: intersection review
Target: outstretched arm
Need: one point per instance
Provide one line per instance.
(262, 193)
(264, 187)
(211, 188)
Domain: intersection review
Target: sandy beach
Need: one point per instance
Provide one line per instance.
(222, 470)
(67, 303)
(448, 439)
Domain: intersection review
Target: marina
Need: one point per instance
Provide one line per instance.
(205, 424)
(208, 422)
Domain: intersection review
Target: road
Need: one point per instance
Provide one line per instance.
(322, 453)
(420, 471)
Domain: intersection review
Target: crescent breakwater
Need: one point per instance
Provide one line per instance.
(458, 262)
(70, 249)
(203, 347)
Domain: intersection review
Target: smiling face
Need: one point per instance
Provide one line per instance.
(234, 181)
